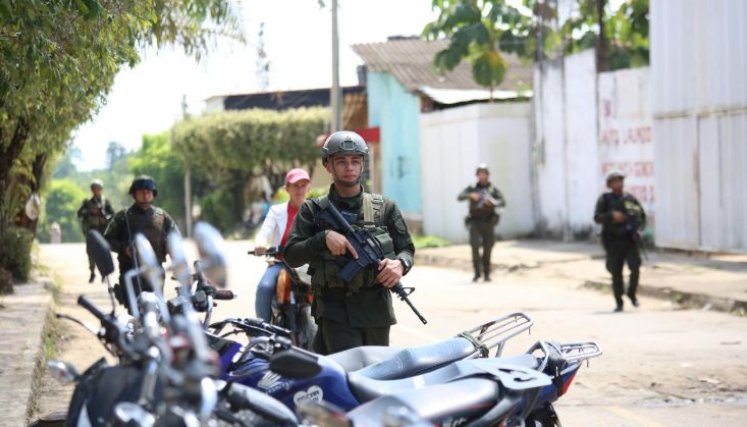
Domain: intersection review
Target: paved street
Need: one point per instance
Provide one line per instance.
(662, 365)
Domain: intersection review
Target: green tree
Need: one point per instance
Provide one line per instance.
(62, 199)
(479, 30)
(157, 159)
(58, 59)
(223, 150)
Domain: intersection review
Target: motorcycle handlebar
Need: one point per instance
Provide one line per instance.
(223, 294)
(271, 251)
(91, 307)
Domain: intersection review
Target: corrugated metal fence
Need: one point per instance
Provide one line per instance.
(699, 73)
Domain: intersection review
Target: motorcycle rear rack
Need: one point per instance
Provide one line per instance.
(495, 333)
(581, 350)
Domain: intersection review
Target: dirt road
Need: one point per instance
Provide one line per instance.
(662, 366)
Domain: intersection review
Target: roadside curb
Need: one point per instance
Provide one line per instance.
(23, 320)
(684, 299)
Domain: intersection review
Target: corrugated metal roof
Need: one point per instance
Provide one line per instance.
(410, 61)
(456, 96)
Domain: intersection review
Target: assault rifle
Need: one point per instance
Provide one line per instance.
(368, 249)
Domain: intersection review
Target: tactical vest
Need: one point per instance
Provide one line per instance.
(628, 206)
(151, 226)
(91, 220)
(326, 268)
(478, 211)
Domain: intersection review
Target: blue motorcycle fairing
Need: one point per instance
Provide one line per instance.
(329, 385)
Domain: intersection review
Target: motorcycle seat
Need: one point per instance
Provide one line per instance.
(359, 357)
(413, 361)
(469, 398)
(511, 375)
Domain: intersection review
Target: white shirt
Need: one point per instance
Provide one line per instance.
(273, 226)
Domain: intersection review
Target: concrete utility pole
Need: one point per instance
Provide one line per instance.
(187, 182)
(335, 95)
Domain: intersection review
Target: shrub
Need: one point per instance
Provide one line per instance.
(6, 282)
(422, 242)
(15, 252)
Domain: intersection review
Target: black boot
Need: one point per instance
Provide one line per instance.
(476, 277)
(92, 278)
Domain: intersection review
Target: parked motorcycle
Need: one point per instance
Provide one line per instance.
(251, 365)
(165, 369)
(291, 305)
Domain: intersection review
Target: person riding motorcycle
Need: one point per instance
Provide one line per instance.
(274, 232)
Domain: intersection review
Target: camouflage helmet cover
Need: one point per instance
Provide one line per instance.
(97, 183)
(346, 143)
(482, 167)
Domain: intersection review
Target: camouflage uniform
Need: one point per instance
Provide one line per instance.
(482, 220)
(360, 312)
(94, 214)
(154, 223)
(621, 240)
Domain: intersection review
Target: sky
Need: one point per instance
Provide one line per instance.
(147, 98)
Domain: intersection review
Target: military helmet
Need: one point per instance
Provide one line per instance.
(344, 142)
(614, 175)
(97, 183)
(482, 167)
(143, 182)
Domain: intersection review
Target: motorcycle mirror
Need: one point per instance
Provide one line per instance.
(148, 260)
(210, 247)
(179, 265)
(295, 364)
(63, 372)
(99, 250)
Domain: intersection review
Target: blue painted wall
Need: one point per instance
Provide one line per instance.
(397, 113)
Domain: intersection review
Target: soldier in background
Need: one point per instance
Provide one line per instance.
(622, 218)
(484, 200)
(142, 217)
(94, 214)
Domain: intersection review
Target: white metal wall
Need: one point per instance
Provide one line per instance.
(625, 136)
(453, 142)
(565, 145)
(699, 74)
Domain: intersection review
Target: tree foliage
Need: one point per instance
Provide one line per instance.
(224, 150)
(157, 159)
(58, 59)
(480, 30)
(61, 202)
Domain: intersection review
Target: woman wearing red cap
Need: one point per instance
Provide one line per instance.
(274, 232)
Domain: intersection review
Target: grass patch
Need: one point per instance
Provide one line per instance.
(51, 335)
(428, 241)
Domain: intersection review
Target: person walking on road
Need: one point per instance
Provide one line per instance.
(95, 214)
(484, 200)
(622, 218)
(276, 231)
(142, 217)
(358, 312)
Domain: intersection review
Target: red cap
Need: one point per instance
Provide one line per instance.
(295, 175)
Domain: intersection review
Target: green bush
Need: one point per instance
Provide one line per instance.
(217, 210)
(15, 252)
(6, 282)
(422, 242)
